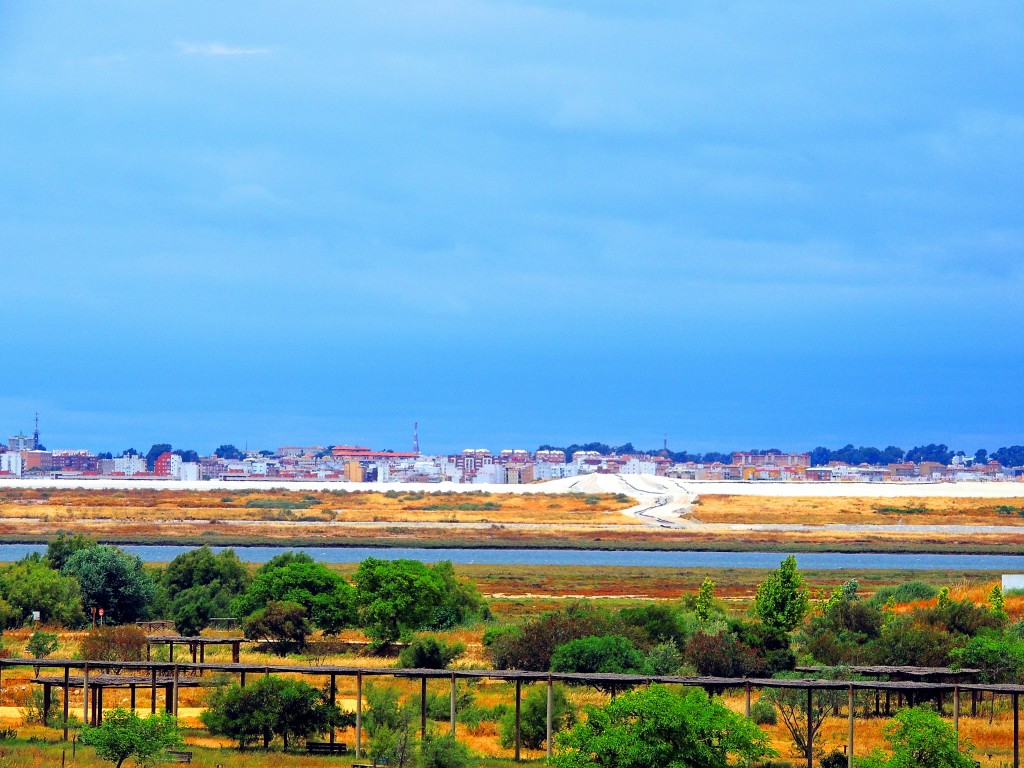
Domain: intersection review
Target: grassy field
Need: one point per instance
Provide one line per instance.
(858, 511)
(241, 517)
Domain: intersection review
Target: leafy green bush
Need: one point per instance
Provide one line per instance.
(533, 717)
(908, 592)
(428, 652)
(444, 752)
(604, 653)
(763, 712)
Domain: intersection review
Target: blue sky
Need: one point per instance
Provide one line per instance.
(763, 224)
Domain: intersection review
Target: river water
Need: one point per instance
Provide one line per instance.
(808, 560)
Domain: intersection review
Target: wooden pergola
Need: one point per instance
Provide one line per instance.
(196, 645)
(171, 677)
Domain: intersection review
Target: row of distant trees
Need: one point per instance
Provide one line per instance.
(1008, 456)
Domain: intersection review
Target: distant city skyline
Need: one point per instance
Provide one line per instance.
(57, 440)
(742, 224)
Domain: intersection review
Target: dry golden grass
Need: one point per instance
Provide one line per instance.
(859, 510)
(59, 506)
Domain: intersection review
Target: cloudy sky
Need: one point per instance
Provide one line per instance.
(743, 224)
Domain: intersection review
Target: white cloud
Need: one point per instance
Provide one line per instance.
(220, 49)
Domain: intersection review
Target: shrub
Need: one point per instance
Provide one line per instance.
(271, 706)
(603, 654)
(125, 643)
(530, 646)
(444, 752)
(112, 579)
(664, 659)
(763, 712)
(908, 592)
(723, 655)
(430, 653)
(283, 624)
(42, 644)
(533, 717)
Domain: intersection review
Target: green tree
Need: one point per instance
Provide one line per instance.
(659, 623)
(444, 752)
(996, 602)
(601, 654)
(199, 585)
(388, 723)
(228, 451)
(282, 623)
(430, 653)
(919, 738)
(329, 600)
(396, 597)
(64, 545)
(705, 601)
(124, 735)
(655, 726)
(42, 644)
(271, 706)
(31, 585)
(155, 452)
(112, 579)
(782, 600)
(533, 723)
(460, 601)
(1000, 657)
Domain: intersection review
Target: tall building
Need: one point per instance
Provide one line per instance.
(21, 442)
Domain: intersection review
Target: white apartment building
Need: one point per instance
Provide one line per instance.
(11, 463)
(130, 465)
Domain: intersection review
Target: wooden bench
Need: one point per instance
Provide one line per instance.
(326, 748)
(179, 757)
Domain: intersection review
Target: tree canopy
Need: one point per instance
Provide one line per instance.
(112, 579)
(294, 577)
(124, 734)
(656, 726)
(31, 585)
(199, 585)
(782, 600)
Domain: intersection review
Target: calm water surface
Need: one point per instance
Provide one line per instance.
(814, 561)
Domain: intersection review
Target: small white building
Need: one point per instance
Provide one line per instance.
(11, 463)
(130, 465)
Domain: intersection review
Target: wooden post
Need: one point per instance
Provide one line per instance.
(810, 731)
(423, 707)
(877, 705)
(46, 703)
(170, 651)
(550, 716)
(241, 679)
(956, 713)
(888, 695)
(452, 703)
(202, 655)
(99, 705)
(974, 703)
(149, 650)
(519, 706)
(175, 712)
(131, 695)
(168, 706)
(192, 648)
(359, 714)
(235, 652)
(67, 691)
(85, 695)
(850, 706)
(1016, 730)
(152, 694)
(334, 698)
(746, 708)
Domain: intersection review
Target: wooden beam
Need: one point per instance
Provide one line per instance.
(956, 713)
(1016, 730)
(423, 707)
(152, 693)
(851, 708)
(359, 714)
(519, 723)
(334, 699)
(550, 716)
(85, 694)
(67, 691)
(810, 731)
(454, 694)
